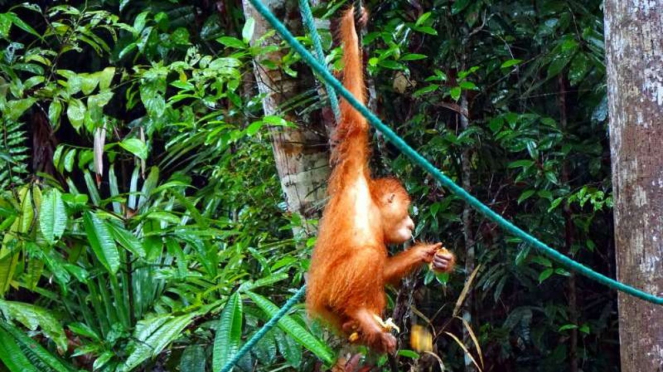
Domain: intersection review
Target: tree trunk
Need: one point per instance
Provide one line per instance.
(568, 237)
(634, 51)
(302, 156)
(468, 234)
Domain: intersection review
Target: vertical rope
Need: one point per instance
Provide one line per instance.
(309, 22)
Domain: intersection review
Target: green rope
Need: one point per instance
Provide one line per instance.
(317, 44)
(438, 175)
(265, 328)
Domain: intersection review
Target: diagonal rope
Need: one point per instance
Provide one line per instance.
(438, 175)
(265, 328)
(317, 44)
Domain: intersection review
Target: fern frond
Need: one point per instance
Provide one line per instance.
(13, 153)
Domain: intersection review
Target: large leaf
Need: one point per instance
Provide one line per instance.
(52, 216)
(291, 351)
(35, 348)
(294, 329)
(11, 355)
(33, 317)
(126, 239)
(102, 242)
(10, 242)
(228, 333)
(193, 359)
(16, 108)
(154, 335)
(76, 113)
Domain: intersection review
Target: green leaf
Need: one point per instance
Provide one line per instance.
(555, 203)
(84, 330)
(542, 261)
(22, 25)
(76, 113)
(38, 351)
(426, 30)
(567, 326)
(136, 147)
(525, 195)
(510, 62)
(545, 194)
(468, 85)
(393, 65)
(164, 217)
(69, 160)
(89, 83)
(193, 359)
(5, 25)
(521, 163)
(102, 360)
(231, 42)
(254, 127)
(16, 108)
(54, 112)
(550, 176)
(126, 239)
(295, 330)
(496, 124)
(33, 317)
(413, 57)
(153, 335)
(422, 19)
(545, 275)
(275, 120)
(153, 99)
(52, 216)
(425, 90)
(12, 356)
(408, 353)
(455, 93)
(102, 242)
(248, 29)
(458, 6)
(140, 22)
(106, 77)
(559, 62)
(290, 350)
(228, 333)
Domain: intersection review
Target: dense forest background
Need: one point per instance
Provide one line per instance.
(142, 207)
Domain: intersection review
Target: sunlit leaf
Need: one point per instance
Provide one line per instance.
(136, 147)
(232, 42)
(52, 216)
(76, 113)
(154, 335)
(101, 242)
(248, 29)
(228, 333)
(34, 317)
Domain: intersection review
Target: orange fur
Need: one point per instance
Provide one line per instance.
(350, 264)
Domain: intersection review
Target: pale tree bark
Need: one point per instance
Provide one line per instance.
(302, 153)
(634, 51)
